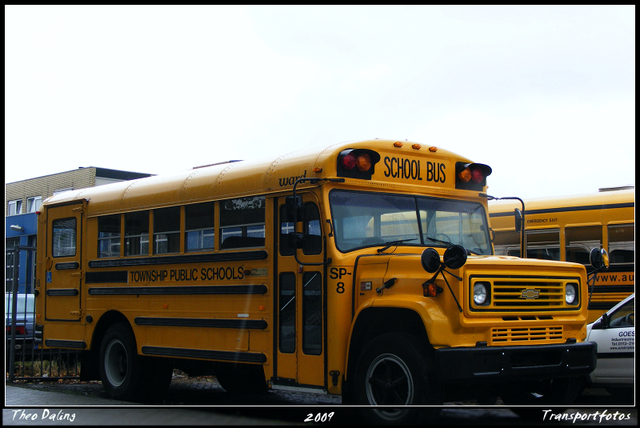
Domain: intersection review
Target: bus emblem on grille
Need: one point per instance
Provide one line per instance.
(530, 293)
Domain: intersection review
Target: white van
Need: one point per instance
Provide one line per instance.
(614, 333)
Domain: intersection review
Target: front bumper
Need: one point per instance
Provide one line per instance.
(513, 363)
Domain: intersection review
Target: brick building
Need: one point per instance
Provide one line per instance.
(23, 199)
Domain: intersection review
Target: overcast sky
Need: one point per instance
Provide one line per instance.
(545, 95)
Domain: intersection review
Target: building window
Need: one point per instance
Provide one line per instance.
(55, 192)
(12, 261)
(166, 230)
(109, 236)
(15, 207)
(33, 204)
(199, 230)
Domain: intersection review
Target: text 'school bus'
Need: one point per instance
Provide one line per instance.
(364, 269)
(568, 228)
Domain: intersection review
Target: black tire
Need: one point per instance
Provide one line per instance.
(240, 378)
(392, 370)
(544, 392)
(120, 367)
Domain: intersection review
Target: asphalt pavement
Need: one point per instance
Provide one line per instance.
(188, 403)
(84, 404)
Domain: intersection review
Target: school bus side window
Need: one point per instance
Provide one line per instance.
(242, 222)
(166, 230)
(580, 241)
(109, 236)
(507, 243)
(199, 230)
(64, 237)
(136, 233)
(543, 244)
(621, 247)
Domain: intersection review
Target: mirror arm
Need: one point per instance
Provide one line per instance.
(523, 238)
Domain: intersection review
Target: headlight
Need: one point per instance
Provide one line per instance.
(570, 294)
(480, 293)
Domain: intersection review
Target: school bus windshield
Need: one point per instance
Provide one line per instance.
(364, 219)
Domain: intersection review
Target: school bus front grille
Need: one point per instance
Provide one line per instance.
(536, 295)
(523, 335)
(528, 295)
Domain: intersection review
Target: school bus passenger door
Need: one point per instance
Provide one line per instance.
(63, 274)
(300, 338)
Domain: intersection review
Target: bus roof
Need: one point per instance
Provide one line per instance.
(230, 179)
(597, 199)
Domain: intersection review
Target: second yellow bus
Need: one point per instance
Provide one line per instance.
(567, 228)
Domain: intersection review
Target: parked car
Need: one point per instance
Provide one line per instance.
(25, 322)
(614, 333)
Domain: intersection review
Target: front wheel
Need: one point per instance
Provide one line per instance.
(393, 371)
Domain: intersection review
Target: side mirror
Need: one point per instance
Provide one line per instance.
(604, 321)
(455, 257)
(518, 216)
(599, 259)
(295, 207)
(430, 260)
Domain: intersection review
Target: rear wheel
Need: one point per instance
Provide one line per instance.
(126, 375)
(392, 371)
(119, 363)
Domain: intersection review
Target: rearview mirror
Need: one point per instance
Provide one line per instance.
(518, 217)
(430, 260)
(599, 258)
(455, 257)
(295, 208)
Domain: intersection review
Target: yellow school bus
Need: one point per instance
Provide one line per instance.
(568, 228)
(364, 269)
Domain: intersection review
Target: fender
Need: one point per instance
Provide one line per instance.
(429, 312)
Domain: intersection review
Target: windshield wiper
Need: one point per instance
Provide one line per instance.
(448, 244)
(394, 243)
